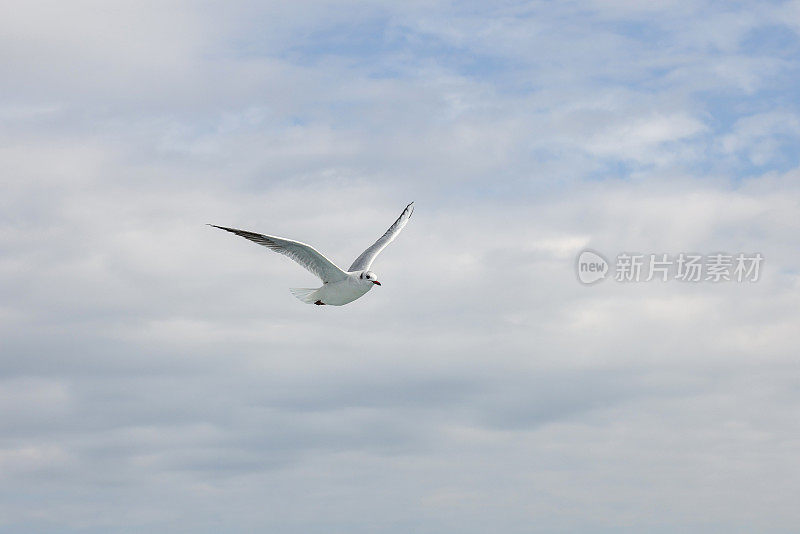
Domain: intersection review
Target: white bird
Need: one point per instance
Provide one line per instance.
(339, 287)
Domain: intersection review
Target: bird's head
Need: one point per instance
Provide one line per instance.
(369, 276)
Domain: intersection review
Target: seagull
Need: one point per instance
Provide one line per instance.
(339, 287)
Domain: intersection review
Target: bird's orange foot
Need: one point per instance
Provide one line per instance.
(319, 303)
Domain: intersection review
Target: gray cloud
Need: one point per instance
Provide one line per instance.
(156, 375)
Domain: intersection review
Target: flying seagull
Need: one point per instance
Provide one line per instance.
(339, 287)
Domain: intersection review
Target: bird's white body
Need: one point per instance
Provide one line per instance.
(339, 287)
(336, 293)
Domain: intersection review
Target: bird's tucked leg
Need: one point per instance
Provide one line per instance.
(319, 303)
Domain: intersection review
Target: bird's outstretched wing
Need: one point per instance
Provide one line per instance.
(364, 261)
(303, 254)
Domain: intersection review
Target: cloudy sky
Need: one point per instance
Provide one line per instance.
(156, 375)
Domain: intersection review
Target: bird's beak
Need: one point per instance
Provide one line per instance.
(376, 282)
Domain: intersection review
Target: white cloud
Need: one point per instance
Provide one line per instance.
(761, 137)
(157, 375)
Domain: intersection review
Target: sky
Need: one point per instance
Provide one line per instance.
(156, 375)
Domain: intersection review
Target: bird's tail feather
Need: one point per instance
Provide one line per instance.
(307, 295)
